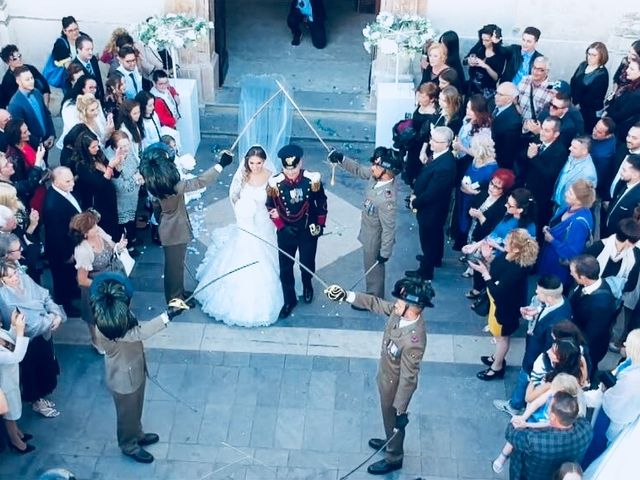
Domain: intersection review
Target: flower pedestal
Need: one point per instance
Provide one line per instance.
(394, 101)
(189, 123)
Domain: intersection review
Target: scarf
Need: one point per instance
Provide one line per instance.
(610, 253)
(168, 99)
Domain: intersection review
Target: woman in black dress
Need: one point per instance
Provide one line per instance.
(65, 46)
(590, 83)
(94, 183)
(451, 40)
(423, 117)
(486, 62)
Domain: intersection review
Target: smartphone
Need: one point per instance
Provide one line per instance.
(18, 310)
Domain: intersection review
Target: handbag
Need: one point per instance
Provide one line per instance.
(55, 75)
(481, 304)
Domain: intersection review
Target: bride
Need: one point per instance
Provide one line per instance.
(252, 296)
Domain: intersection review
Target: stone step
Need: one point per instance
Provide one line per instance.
(338, 118)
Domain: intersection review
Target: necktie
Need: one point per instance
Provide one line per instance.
(89, 68)
(542, 148)
(496, 111)
(133, 79)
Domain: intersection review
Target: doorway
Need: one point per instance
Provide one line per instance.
(258, 41)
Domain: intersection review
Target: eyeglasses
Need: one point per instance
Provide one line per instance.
(495, 185)
(15, 250)
(557, 107)
(509, 205)
(15, 56)
(540, 69)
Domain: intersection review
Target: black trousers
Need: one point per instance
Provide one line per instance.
(431, 234)
(65, 285)
(174, 256)
(39, 370)
(293, 240)
(317, 30)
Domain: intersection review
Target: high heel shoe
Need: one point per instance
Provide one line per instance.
(26, 437)
(491, 374)
(28, 448)
(472, 294)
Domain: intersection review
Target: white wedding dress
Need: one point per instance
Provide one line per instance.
(252, 296)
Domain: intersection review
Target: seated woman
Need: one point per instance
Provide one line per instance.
(93, 253)
(39, 368)
(13, 347)
(507, 286)
(475, 180)
(521, 213)
(568, 232)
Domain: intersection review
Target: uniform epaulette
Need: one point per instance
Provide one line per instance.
(272, 185)
(315, 178)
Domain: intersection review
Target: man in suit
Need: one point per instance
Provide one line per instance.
(506, 125)
(521, 57)
(631, 146)
(312, 13)
(571, 122)
(89, 63)
(378, 221)
(5, 116)
(552, 308)
(129, 71)
(13, 58)
(546, 160)
(121, 336)
(626, 194)
(404, 342)
(28, 104)
(59, 207)
(430, 199)
(594, 307)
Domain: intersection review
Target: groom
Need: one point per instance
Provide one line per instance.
(297, 206)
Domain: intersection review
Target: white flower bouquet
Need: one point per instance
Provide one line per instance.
(172, 31)
(393, 34)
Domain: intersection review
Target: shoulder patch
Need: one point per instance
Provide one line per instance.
(313, 176)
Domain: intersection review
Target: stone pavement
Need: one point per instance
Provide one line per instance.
(297, 400)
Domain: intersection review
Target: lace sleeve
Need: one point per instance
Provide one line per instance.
(236, 187)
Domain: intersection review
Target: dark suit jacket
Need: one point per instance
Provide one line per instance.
(625, 111)
(594, 313)
(514, 60)
(571, 125)
(493, 215)
(20, 107)
(540, 340)
(619, 210)
(543, 171)
(3, 142)
(96, 74)
(317, 7)
(433, 188)
(56, 214)
(505, 130)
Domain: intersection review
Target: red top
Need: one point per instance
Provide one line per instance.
(37, 200)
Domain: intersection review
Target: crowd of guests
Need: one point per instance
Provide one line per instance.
(545, 179)
(76, 219)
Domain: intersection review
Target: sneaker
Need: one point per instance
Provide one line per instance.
(48, 402)
(498, 464)
(40, 406)
(505, 406)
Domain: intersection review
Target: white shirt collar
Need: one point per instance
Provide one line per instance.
(439, 154)
(382, 183)
(592, 288)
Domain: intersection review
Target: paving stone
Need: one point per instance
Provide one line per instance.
(318, 435)
(235, 359)
(240, 427)
(263, 427)
(289, 428)
(322, 390)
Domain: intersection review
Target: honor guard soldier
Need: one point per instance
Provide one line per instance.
(297, 206)
(378, 220)
(403, 345)
(121, 337)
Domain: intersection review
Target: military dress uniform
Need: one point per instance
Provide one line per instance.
(300, 203)
(377, 225)
(402, 350)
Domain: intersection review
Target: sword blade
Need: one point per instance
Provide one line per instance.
(218, 278)
(290, 257)
(365, 274)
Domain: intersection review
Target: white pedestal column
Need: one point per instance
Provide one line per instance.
(394, 102)
(189, 124)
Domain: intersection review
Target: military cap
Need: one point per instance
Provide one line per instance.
(290, 155)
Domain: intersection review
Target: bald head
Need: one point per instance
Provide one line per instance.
(506, 94)
(62, 178)
(5, 116)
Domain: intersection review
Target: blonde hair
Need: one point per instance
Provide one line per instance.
(483, 149)
(527, 247)
(632, 345)
(563, 382)
(584, 191)
(443, 50)
(83, 102)
(453, 101)
(9, 197)
(112, 46)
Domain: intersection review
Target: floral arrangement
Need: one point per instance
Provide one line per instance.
(391, 33)
(172, 31)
